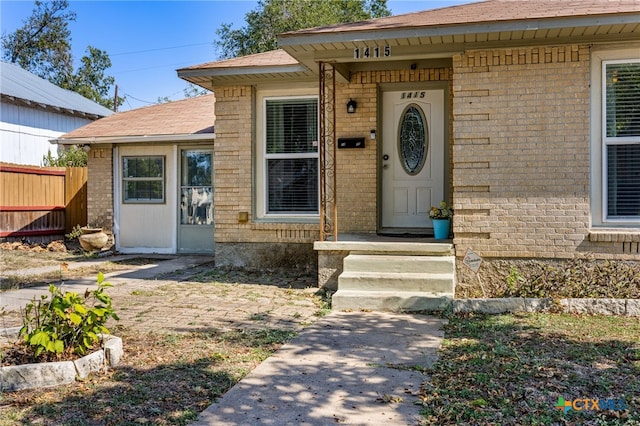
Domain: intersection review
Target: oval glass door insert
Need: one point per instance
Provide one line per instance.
(413, 139)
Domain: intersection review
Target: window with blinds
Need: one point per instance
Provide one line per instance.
(291, 156)
(622, 138)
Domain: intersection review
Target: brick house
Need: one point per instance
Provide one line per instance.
(524, 115)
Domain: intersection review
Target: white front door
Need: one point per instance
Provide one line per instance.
(413, 131)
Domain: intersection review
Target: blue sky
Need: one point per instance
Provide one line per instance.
(148, 40)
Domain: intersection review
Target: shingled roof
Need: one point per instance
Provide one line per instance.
(192, 116)
(260, 67)
(488, 11)
(274, 58)
(436, 33)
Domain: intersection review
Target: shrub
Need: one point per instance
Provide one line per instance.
(68, 322)
(579, 278)
(71, 156)
(76, 231)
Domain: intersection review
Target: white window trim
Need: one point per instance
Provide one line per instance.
(262, 156)
(161, 179)
(599, 58)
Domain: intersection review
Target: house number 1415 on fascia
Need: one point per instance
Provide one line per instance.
(371, 52)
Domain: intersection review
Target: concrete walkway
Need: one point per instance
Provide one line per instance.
(14, 300)
(357, 368)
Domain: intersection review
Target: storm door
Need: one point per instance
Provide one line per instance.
(412, 158)
(195, 227)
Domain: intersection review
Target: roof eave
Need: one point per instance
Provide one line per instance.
(96, 140)
(236, 71)
(51, 108)
(209, 78)
(297, 38)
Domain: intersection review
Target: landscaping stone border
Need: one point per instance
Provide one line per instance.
(49, 374)
(621, 307)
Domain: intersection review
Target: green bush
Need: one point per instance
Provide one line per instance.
(71, 156)
(68, 322)
(76, 231)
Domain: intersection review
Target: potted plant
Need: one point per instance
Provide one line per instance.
(441, 218)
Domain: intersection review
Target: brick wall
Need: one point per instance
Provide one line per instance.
(521, 153)
(100, 187)
(241, 243)
(233, 168)
(357, 168)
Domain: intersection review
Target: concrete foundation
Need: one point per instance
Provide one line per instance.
(267, 256)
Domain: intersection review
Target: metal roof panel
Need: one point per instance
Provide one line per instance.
(18, 83)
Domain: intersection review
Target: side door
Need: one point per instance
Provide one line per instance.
(195, 198)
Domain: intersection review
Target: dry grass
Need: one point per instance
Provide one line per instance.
(167, 379)
(18, 256)
(188, 337)
(511, 370)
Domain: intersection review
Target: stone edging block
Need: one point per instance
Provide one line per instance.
(10, 333)
(595, 306)
(113, 350)
(92, 363)
(29, 376)
(49, 374)
(621, 307)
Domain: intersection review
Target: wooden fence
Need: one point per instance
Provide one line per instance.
(41, 201)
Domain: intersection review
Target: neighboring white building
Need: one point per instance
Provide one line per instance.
(34, 111)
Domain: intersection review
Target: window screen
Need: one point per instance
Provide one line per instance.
(622, 139)
(623, 181)
(292, 126)
(291, 156)
(143, 179)
(623, 99)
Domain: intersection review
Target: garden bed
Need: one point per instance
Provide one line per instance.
(49, 374)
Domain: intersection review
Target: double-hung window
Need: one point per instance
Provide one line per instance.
(291, 156)
(621, 140)
(143, 179)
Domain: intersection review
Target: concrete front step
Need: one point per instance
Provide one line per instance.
(391, 281)
(394, 301)
(403, 277)
(373, 247)
(399, 263)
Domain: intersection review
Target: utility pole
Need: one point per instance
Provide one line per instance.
(115, 100)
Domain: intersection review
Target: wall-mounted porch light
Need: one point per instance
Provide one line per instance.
(351, 106)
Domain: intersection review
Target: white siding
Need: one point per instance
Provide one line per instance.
(25, 132)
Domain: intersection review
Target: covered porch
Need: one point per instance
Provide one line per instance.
(400, 267)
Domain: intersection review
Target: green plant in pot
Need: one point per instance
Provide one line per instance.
(441, 219)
